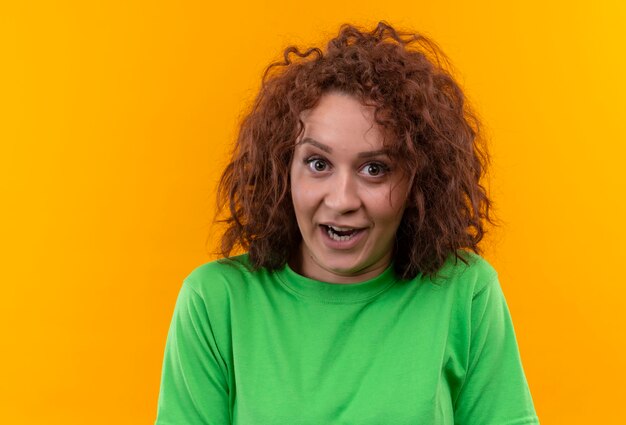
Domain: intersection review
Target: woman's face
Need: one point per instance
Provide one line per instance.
(347, 194)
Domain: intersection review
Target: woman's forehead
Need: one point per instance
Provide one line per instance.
(340, 116)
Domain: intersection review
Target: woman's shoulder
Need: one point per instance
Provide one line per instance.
(223, 267)
(466, 269)
(216, 278)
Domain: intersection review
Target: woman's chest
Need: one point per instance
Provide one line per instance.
(365, 364)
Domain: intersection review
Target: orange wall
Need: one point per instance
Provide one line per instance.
(116, 121)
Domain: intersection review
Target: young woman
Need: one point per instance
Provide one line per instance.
(355, 193)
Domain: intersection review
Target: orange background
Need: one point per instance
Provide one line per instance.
(116, 121)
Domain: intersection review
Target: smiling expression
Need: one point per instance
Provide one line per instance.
(348, 195)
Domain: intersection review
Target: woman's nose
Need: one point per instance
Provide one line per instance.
(342, 194)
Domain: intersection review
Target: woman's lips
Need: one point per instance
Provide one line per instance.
(339, 237)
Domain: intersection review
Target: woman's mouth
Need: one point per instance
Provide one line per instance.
(340, 234)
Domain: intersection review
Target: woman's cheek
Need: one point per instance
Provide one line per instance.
(304, 195)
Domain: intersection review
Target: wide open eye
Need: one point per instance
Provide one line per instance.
(375, 169)
(317, 164)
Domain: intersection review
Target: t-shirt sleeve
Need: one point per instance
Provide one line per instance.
(194, 390)
(495, 390)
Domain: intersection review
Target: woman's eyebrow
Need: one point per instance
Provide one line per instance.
(317, 144)
(328, 149)
(370, 154)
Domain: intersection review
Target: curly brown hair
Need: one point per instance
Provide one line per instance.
(435, 140)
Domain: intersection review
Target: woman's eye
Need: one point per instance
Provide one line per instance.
(375, 169)
(317, 164)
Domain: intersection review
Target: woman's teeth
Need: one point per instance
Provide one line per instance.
(340, 233)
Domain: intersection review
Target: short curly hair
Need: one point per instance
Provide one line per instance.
(435, 140)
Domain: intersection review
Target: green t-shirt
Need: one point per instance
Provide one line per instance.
(257, 348)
